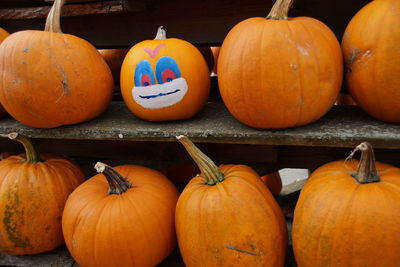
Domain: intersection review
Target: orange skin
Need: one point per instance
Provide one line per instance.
(32, 199)
(370, 47)
(236, 222)
(340, 222)
(114, 59)
(135, 228)
(193, 68)
(52, 79)
(3, 35)
(215, 51)
(273, 181)
(279, 73)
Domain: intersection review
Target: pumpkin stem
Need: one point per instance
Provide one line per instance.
(366, 170)
(211, 172)
(280, 10)
(32, 156)
(116, 182)
(161, 34)
(53, 18)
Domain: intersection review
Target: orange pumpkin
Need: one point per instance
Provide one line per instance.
(121, 217)
(3, 35)
(114, 59)
(348, 214)
(273, 181)
(345, 99)
(226, 216)
(371, 45)
(208, 56)
(50, 79)
(181, 173)
(279, 72)
(215, 52)
(33, 191)
(164, 79)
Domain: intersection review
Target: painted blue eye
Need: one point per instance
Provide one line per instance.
(167, 70)
(144, 75)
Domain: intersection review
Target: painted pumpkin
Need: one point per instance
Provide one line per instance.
(49, 79)
(33, 192)
(273, 181)
(371, 49)
(164, 79)
(122, 217)
(348, 214)
(279, 72)
(3, 35)
(226, 216)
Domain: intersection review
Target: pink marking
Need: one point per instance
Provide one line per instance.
(154, 52)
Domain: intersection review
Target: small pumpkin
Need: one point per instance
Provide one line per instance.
(371, 49)
(123, 216)
(215, 51)
(208, 56)
(49, 79)
(348, 214)
(114, 59)
(164, 79)
(3, 35)
(279, 72)
(33, 191)
(273, 181)
(226, 216)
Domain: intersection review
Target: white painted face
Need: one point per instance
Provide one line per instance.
(160, 95)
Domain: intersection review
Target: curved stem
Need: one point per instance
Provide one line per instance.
(366, 170)
(32, 156)
(53, 18)
(161, 34)
(280, 10)
(211, 172)
(116, 182)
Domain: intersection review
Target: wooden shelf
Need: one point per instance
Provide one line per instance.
(343, 126)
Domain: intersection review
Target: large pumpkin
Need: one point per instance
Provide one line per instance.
(3, 35)
(279, 72)
(226, 216)
(348, 214)
(50, 79)
(33, 191)
(122, 217)
(164, 79)
(371, 49)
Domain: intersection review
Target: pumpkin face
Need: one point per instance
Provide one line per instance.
(134, 227)
(279, 72)
(371, 45)
(3, 35)
(341, 222)
(226, 216)
(166, 79)
(32, 199)
(51, 79)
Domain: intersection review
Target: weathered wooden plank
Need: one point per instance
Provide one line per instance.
(200, 22)
(343, 126)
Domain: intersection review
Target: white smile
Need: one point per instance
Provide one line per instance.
(160, 95)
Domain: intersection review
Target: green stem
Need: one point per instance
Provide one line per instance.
(53, 18)
(280, 10)
(116, 182)
(212, 174)
(366, 171)
(32, 156)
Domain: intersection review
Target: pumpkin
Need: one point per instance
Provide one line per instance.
(226, 216)
(123, 216)
(181, 173)
(3, 35)
(215, 52)
(345, 99)
(279, 72)
(273, 181)
(371, 49)
(348, 214)
(208, 56)
(114, 59)
(164, 79)
(51, 79)
(33, 191)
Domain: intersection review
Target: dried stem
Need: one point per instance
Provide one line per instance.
(280, 10)
(366, 171)
(32, 156)
(53, 18)
(116, 182)
(161, 34)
